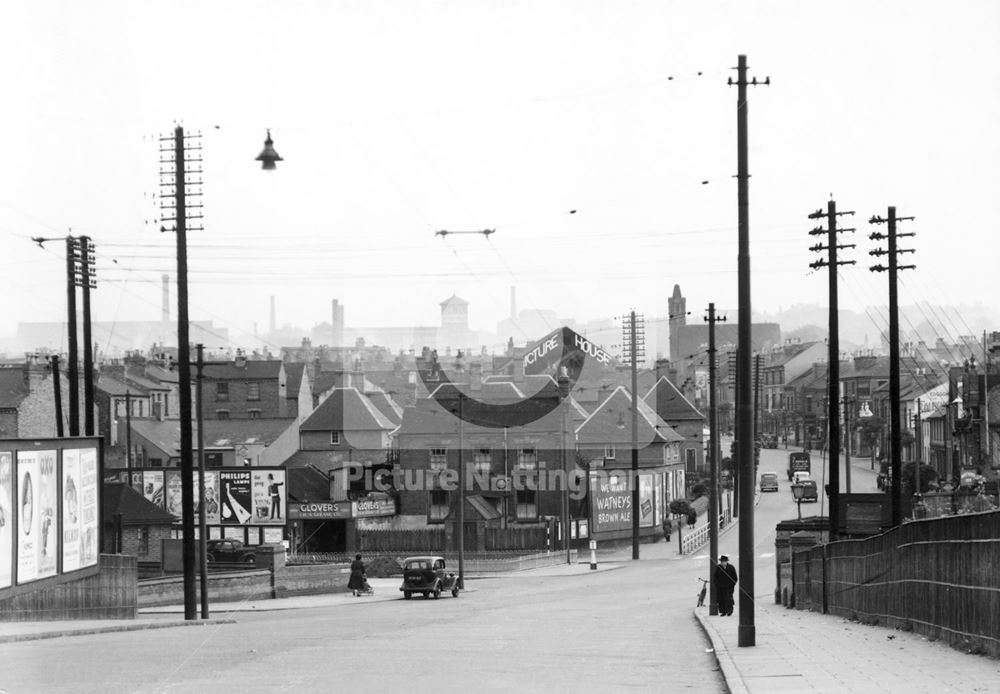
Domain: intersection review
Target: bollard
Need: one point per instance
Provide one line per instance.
(593, 555)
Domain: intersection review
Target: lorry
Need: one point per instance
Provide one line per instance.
(798, 461)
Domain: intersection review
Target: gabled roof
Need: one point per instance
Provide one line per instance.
(611, 422)
(347, 409)
(254, 369)
(454, 299)
(161, 375)
(12, 387)
(670, 403)
(115, 386)
(387, 406)
(134, 508)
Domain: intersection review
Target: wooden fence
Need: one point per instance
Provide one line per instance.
(416, 541)
(516, 539)
(938, 577)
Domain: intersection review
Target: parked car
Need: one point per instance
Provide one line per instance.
(229, 550)
(799, 476)
(769, 481)
(427, 575)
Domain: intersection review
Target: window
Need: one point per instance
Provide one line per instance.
(221, 391)
(689, 459)
(526, 504)
(222, 414)
(253, 414)
(609, 452)
(438, 458)
(140, 408)
(527, 458)
(483, 460)
(334, 438)
(142, 535)
(213, 459)
(438, 508)
(253, 391)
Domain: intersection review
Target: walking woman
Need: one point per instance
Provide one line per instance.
(357, 581)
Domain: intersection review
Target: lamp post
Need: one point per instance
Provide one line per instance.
(798, 489)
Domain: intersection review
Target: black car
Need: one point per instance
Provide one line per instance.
(427, 575)
(229, 550)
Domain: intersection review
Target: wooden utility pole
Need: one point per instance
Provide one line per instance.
(57, 394)
(202, 520)
(73, 367)
(634, 349)
(833, 354)
(714, 449)
(895, 438)
(176, 209)
(87, 282)
(744, 407)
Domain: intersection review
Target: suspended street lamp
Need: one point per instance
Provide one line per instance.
(268, 157)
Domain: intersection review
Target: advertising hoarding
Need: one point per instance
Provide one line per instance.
(90, 523)
(236, 497)
(27, 518)
(211, 497)
(268, 491)
(6, 518)
(611, 503)
(71, 535)
(646, 514)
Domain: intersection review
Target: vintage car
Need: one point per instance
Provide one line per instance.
(229, 550)
(769, 481)
(427, 575)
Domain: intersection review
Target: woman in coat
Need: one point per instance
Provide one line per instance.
(357, 579)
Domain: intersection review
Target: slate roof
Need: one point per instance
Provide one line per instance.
(134, 507)
(219, 433)
(387, 406)
(115, 386)
(670, 404)
(307, 483)
(347, 409)
(611, 422)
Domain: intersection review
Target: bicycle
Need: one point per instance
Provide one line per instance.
(703, 593)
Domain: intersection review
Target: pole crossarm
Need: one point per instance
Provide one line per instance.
(485, 232)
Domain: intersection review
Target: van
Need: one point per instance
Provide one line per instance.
(769, 481)
(799, 476)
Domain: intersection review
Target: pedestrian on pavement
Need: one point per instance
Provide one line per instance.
(666, 528)
(724, 580)
(357, 580)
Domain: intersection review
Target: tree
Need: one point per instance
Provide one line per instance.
(928, 475)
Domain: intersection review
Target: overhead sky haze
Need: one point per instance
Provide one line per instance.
(598, 139)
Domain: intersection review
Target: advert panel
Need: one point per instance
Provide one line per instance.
(268, 496)
(237, 497)
(6, 518)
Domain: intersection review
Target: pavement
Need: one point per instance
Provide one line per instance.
(228, 612)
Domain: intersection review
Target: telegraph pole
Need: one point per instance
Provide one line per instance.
(634, 349)
(202, 520)
(833, 354)
(895, 441)
(175, 203)
(128, 434)
(57, 394)
(73, 368)
(714, 448)
(563, 382)
(747, 635)
(87, 282)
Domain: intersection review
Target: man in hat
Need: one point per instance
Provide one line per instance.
(724, 580)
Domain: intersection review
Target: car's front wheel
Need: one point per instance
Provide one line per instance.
(454, 592)
(249, 559)
(437, 591)
(407, 595)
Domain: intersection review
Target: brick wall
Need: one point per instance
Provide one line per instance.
(222, 587)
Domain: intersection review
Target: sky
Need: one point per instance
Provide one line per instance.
(598, 139)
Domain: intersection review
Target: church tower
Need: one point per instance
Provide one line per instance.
(677, 308)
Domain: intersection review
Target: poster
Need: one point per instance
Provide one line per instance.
(27, 518)
(658, 501)
(268, 487)
(136, 482)
(211, 497)
(611, 502)
(152, 486)
(172, 493)
(6, 519)
(646, 515)
(236, 499)
(89, 513)
(46, 499)
(71, 535)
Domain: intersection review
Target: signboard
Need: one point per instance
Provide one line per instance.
(6, 518)
(319, 510)
(71, 488)
(237, 496)
(173, 493)
(610, 503)
(372, 508)
(211, 498)
(90, 518)
(268, 491)
(863, 514)
(646, 514)
(152, 486)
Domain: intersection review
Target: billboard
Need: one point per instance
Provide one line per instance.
(611, 503)
(49, 508)
(6, 517)
(236, 497)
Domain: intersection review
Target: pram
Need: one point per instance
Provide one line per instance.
(365, 590)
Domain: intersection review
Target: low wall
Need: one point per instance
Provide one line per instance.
(311, 579)
(222, 587)
(108, 594)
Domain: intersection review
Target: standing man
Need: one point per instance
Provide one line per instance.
(724, 580)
